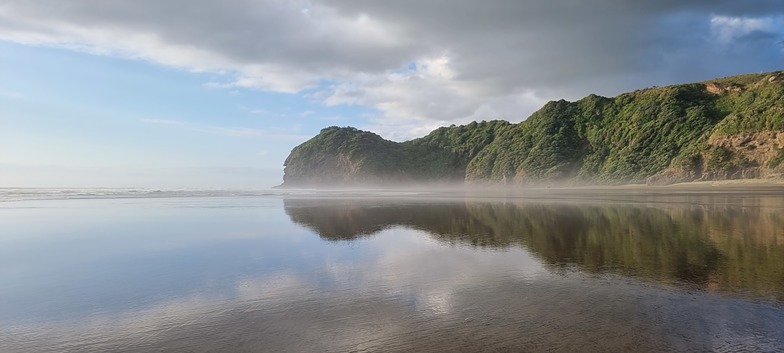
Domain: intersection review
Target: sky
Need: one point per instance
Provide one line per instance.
(215, 94)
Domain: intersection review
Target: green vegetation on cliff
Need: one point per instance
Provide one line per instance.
(342, 155)
(444, 153)
(627, 138)
(725, 128)
(338, 155)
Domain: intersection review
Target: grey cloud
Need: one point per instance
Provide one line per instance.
(474, 13)
(761, 36)
(497, 51)
(560, 44)
(246, 31)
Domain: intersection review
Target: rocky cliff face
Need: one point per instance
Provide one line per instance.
(727, 128)
(749, 155)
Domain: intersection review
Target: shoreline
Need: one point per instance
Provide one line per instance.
(732, 182)
(436, 187)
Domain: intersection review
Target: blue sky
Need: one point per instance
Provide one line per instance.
(97, 120)
(200, 94)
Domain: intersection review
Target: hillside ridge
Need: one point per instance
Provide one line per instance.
(725, 128)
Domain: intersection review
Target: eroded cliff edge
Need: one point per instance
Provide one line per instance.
(729, 128)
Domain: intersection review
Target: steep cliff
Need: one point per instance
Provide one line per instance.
(343, 155)
(340, 156)
(726, 128)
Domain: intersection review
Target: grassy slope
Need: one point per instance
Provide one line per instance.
(627, 138)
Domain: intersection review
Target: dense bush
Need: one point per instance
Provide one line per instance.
(627, 138)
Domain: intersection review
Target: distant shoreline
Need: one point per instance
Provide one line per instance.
(732, 182)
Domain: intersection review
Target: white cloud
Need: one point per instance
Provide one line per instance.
(267, 44)
(728, 29)
(472, 61)
(426, 96)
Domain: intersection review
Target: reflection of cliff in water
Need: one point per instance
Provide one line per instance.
(724, 247)
(351, 219)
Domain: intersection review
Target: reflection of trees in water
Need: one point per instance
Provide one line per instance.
(715, 247)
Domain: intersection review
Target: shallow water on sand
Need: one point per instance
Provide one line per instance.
(551, 271)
